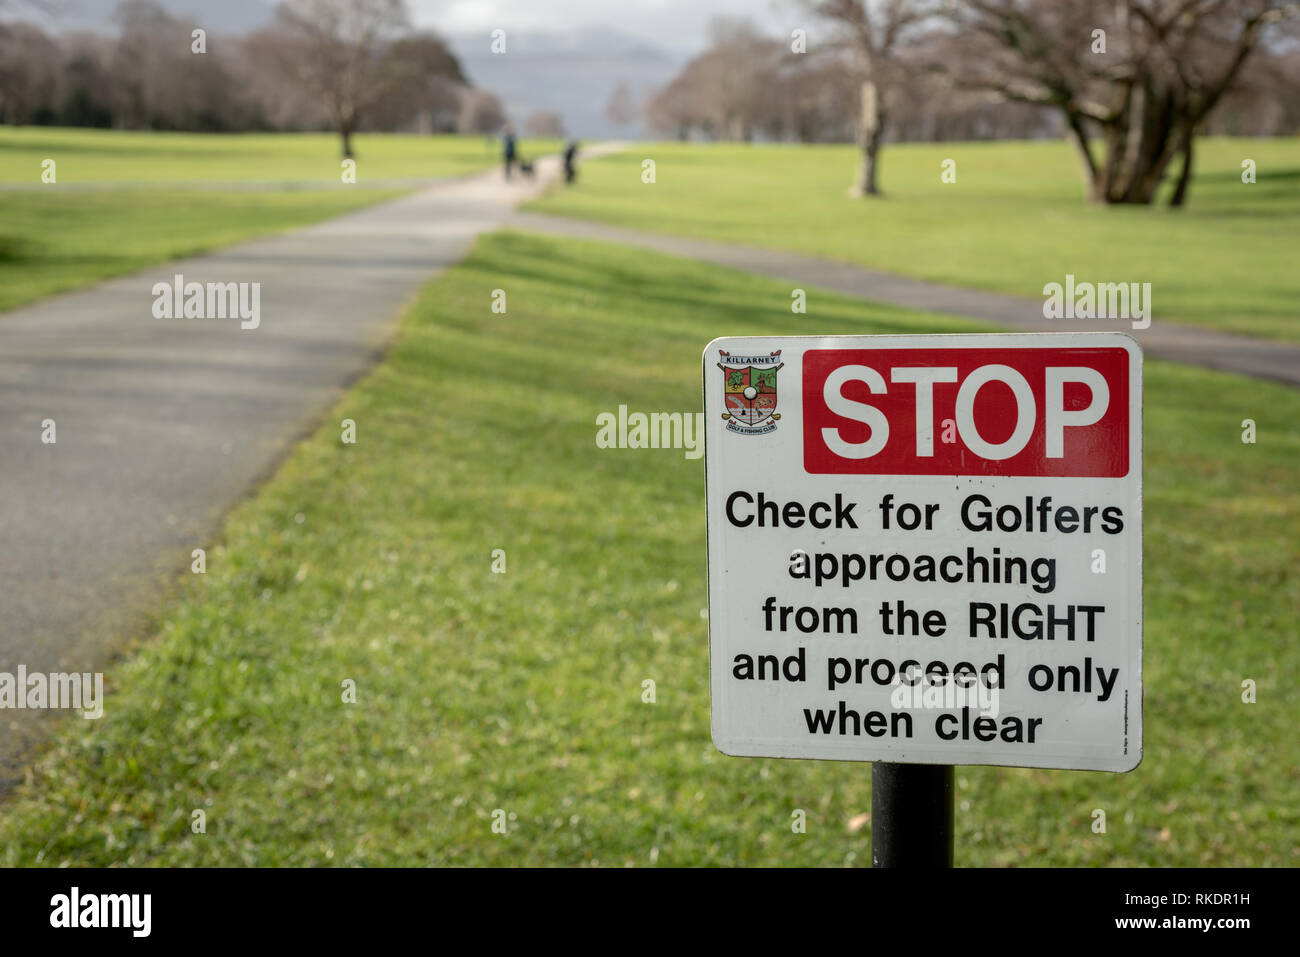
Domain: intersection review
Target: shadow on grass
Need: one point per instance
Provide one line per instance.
(18, 250)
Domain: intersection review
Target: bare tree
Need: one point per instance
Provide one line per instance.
(1265, 101)
(337, 49)
(672, 109)
(873, 31)
(28, 70)
(812, 99)
(740, 64)
(1146, 73)
(86, 82)
(727, 91)
(620, 110)
(545, 123)
(480, 112)
(425, 88)
(149, 63)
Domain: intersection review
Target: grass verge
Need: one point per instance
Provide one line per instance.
(158, 200)
(54, 242)
(197, 159)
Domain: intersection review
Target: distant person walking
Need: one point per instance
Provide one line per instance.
(570, 154)
(508, 148)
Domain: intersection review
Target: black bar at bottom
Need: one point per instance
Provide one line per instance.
(911, 815)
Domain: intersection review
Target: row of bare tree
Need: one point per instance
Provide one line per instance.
(1131, 82)
(345, 65)
(748, 85)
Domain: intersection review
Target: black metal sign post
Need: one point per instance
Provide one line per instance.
(911, 815)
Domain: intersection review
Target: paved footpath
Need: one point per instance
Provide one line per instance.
(1164, 340)
(163, 425)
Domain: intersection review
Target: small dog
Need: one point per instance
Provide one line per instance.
(526, 167)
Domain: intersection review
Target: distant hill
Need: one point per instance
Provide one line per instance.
(572, 74)
(225, 16)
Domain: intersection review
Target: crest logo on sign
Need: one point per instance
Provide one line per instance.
(749, 392)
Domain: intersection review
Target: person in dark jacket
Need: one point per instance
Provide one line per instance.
(508, 148)
(570, 155)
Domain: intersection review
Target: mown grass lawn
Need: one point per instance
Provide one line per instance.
(52, 242)
(522, 691)
(102, 156)
(161, 196)
(1014, 220)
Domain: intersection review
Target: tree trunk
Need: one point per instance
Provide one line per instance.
(1154, 139)
(1092, 176)
(870, 132)
(1140, 145)
(1133, 131)
(1184, 177)
(345, 134)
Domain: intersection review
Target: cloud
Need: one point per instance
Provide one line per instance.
(673, 24)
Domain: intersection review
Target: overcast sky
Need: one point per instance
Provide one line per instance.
(677, 25)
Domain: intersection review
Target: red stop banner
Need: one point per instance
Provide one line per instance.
(1058, 411)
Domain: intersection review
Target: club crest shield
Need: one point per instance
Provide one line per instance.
(749, 392)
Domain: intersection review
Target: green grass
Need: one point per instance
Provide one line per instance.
(53, 242)
(162, 196)
(522, 691)
(1014, 220)
(102, 156)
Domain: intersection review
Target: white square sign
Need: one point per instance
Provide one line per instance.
(926, 549)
